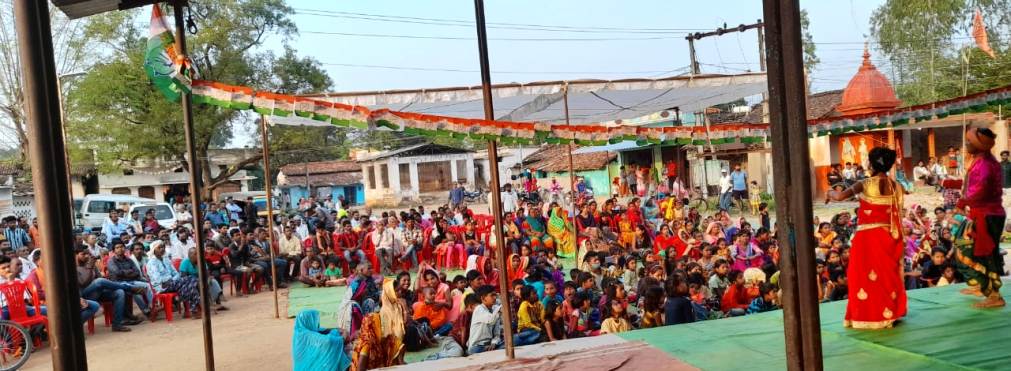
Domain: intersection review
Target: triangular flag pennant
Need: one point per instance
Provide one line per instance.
(979, 33)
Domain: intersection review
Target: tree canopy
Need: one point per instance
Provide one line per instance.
(930, 47)
(116, 114)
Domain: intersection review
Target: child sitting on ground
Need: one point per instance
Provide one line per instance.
(765, 301)
(528, 329)
(554, 322)
(434, 312)
(578, 321)
(618, 321)
(315, 270)
(333, 275)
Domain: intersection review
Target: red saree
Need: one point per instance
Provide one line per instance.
(877, 295)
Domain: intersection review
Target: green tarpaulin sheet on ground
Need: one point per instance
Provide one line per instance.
(942, 331)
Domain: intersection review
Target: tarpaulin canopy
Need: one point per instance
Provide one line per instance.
(590, 101)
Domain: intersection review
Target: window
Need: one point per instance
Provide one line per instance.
(161, 212)
(405, 176)
(384, 175)
(101, 206)
(371, 170)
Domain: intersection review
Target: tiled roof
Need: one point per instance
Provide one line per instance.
(321, 167)
(327, 179)
(555, 158)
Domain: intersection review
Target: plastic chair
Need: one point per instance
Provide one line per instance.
(227, 277)
(165, 299)
(14, 292)
(107, 309)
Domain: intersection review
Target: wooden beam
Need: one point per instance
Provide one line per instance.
(792, 169)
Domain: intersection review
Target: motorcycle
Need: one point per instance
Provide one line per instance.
(478, 196)
(529, 197)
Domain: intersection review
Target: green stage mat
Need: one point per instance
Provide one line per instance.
(941, 331)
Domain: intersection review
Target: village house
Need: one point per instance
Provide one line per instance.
(552, 162)
(340, 179)
(414, 173)
(165, 179)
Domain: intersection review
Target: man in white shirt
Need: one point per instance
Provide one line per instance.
(725, 186)
(384, 240)
(509, 199)
(849, 174)
(181, 247)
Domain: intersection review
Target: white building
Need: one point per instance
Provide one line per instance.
(405, 174)
(162, 179)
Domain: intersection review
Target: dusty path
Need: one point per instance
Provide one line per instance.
(246, 337)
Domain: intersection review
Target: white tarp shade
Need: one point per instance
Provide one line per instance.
(590, 101)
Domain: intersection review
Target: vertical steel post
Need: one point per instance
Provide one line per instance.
(788, 118)
(46, 151)
(496, 197)
(195, 196)
(691, 52)
(572, 173)
(270, 209)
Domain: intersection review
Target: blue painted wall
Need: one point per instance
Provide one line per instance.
(355, 190)
(599, 180)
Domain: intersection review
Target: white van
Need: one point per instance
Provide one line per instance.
(164, 212)
(95, 208)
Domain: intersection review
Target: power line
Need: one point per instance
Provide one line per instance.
(497, 25)
(435, 69)
(401, 36)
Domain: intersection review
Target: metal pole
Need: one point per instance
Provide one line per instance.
(195, 196)
(793, 184)
(270, 209)
(496, 197)
(691, 52)
(761, 46)
(49, 176)
(572, 171)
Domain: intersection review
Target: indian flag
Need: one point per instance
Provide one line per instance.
(168, 71)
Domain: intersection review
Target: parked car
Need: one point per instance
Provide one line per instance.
(164, 212)
(94, 208)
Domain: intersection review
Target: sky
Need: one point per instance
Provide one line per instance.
(429, 44)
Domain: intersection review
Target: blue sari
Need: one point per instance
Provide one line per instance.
(316, 348)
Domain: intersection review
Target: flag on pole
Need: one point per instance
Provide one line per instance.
(979, 33)
(170, 72)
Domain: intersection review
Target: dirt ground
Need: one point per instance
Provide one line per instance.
(246, 337)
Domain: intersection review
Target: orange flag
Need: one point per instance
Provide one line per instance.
(979, 33)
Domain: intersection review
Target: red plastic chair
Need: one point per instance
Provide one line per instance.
(369, 249)
(107, 309)
(14, 292)
(227, 277)
(426, 245)
(166, 304)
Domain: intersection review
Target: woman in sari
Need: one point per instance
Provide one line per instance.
(876, 291)
(517, 267)
(664, 239)
(488, 272)
(537, 231)
(380, 342)
(316, 348)
(561, 231)
(713, 233)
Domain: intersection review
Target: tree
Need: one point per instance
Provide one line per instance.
(69, 49)
(930, 48)
(810, 49)
(121, 118)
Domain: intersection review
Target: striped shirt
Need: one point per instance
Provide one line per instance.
(18, 237)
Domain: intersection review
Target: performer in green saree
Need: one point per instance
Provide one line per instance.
(977, 251)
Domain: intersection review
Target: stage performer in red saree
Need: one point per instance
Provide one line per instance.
(877, 296)
(977, 253)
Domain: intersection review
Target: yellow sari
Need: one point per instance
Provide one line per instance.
(381, 348)
(561, 230)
